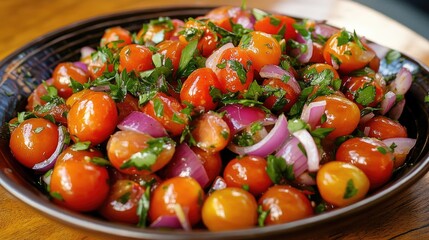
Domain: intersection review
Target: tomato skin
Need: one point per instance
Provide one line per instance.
(207, 39)
(170, 107)
(196, 89)
(172, 50)
(262, 49)
(123, 144)
(114, 34)
(78, 184)
(266, 25)
(184, 191)
(230, 80)
(212, 163)
(317, 55)
(382, 127)
(248, 171)
(35, 97)
(286, 204)
(290, 94)
(92, 118)
(230, 209)
(126, 106)
(341, 114)
(332, 179)
(211, 132)
(117, 208)
(365, 154)
(33, 141)
(352, 86)
(350, 55)
(137, 58)
(318, 67)
(62, 75)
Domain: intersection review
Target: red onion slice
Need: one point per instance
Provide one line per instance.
(326, 31)
(86, 52)
(307, 141)
(141, 122)
(403, 145)
(166, 222)
(238, 117)
(274, 71)
(303, 57)
(379, 50)
(213, 60)
(291, 153)
(402, 82)
(218, 184)
(388, 102)
(305, 179)
(81, 65)
(275, 138)
(313, 112)
(186, 163)
(366, 118)
(396, 111)
(50, 162)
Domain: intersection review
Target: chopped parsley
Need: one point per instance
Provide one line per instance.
(351, 190)
(278, 169)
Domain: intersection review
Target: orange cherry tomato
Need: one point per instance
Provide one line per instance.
(283, 103)
(230, 209)
(92, 118)
(212, 163)
(97, 65)
(115, 37)
(273, 24)
(262, 49)
(33, 141)
(184, 192)
(248, 172)
(172, 50)
(211, 132)
(62, 75)
(382, 127)
(371, 156)
(207, 39)
(156, 31)
(285, 204)
(137, 58)
(318, 68)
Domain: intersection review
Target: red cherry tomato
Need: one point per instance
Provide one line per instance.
(196, 89)
(92, 118)
(207, 39)
(210, 132)
(248, 172)
(137, 58)
(318, 68)
(62, 75)
(33, 141)
(285, 204)
(274, 102)
(317, 55)
(115, 37)
(175, 192)
(273, 24)
(122, 203)
(230, 209)
(156, 32)
(355, 87)
(77, 183)
(382, 127)
(126, 106)
(371, 156)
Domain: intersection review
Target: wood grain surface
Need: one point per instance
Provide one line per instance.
(406, 216)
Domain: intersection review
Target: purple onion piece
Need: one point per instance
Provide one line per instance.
(50, 162)
(141, 122)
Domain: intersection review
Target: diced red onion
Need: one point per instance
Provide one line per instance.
(81, 65)
(238, 117)
(86, 51)
(186, 163)
(141, 122)
(305, 179)
(178, 24)
(324, 30)
(102, 88)
(274, 71)
(166, 222)
(388, 102)
(275, 138)
(313, 112)
(402, 82)
(403, 145)
(50, 162)
(246, 20)
(310, 147)
(366, 56)
(303, 57)
(396, 111)
(218, 184)
(293, 155)
(379, 50)
(366, 118)
(213, 60)
(366, 131)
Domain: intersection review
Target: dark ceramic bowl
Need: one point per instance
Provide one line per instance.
(26, 68)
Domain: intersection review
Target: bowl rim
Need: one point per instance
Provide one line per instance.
(104, 227)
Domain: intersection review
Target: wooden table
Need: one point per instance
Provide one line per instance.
(404, 217)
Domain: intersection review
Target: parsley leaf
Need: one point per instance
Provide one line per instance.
(365, 95)
(392, 55)
(344, 38)
(187, 54)
(262, 215)
(277, 169)
(239, 69)
(81, 146)
(351, 190)
(143, 206)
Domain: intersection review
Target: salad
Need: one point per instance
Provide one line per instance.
(231, 120)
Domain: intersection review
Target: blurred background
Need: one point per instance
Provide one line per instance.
(411, 13)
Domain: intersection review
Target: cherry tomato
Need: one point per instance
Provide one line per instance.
(115, 37)
(382, 127)
(317, 55)
(35, 97)
(341, 183)
(92, 118)
(230, 209)
(346, 55)
(97, 65)
(184, 192)
(168, 111)
(123, 146)
(225, 15)
(211, 132)
(172, 50)
(318, 68)
(81, 155)
(196, 30)
(79, 184)
(341, 114)
(262, 49)
(236, 73)
(356, 89)
(273, 24)
(248, 172)
(371, 156)
(156, 31)
(196, 89)
(285, 204)
(274, 102)
(33, 141)
(211, 161)
(126, 106)
(122, 203)
(62, 75)
(137, 58)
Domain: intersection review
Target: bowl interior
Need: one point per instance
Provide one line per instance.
(23, 70)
